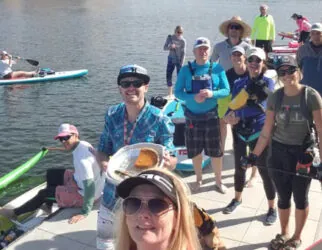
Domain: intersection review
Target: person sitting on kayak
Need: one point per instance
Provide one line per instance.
(6, 71)
(304, 27)
(69, 188)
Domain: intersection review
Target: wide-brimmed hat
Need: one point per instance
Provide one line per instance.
(223, 28)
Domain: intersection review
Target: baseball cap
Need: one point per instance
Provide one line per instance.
(201, 41)
(133, 70)
(3, 52)
(260, 53)
(66, 129)
(152, 177)
(316, 27)
(286, 60)
(238, 49)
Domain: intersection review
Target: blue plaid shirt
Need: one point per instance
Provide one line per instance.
(151, 126)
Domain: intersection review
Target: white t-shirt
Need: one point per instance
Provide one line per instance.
(5, 68)
(86, 167)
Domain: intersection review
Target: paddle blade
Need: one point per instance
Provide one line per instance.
(32, 62)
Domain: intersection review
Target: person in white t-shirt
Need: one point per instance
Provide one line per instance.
(79, 187)
(6, 71)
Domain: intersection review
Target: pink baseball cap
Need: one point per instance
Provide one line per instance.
(66, 129)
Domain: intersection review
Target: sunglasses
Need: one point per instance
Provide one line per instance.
(235, 27)
(132, 205)
(237, 54)
(179, 32)
(136, 84)
(289, 71)
(65, 138)
(254, 59)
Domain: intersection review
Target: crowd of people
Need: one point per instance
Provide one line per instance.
(274, 131)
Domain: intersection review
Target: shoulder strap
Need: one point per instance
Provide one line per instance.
(191, 69)
(279, 99)
(210, 68)
(304, 106)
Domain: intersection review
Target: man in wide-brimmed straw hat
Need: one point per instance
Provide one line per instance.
(235, 30)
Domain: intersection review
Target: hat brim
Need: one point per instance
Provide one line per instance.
(145, 78)
(247, 30)
(125, 187)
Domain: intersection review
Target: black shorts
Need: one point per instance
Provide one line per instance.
(203, 135)
(266, 45)
(7, 76)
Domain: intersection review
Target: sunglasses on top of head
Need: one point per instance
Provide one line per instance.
(65, 138)
(289, 71)
(135, 84)
(235, 27)
(156, 206)
(254, 59)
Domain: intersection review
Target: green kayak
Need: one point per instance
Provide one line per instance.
(19, 171)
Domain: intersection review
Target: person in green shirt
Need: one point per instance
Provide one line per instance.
(263, 31)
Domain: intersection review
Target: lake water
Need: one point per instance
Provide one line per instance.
(100, 36)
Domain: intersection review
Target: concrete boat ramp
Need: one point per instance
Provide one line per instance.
(242, 230)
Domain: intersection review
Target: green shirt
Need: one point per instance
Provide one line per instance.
(263, 28)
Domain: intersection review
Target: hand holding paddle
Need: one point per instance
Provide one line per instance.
(31, 61)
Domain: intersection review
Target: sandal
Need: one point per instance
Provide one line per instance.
(279, 242)
(292, 244)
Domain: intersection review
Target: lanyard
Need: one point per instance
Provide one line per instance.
(127, 138)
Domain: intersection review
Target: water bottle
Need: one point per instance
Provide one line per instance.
(105, 229)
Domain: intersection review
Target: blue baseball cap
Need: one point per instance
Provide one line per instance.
(133, 70)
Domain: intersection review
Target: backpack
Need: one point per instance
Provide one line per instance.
(303, 104)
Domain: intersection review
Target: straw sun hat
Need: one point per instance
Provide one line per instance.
(223, 28)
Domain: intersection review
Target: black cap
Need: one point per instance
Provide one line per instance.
(152, 177)
(286, 60)
(133, 70)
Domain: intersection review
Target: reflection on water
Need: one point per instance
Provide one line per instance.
(100, 36)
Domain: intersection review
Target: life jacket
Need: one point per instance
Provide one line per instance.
(200, 82)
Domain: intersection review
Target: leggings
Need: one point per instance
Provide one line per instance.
(54, 177)
(170, 68)
(285, 157)
(240, 173)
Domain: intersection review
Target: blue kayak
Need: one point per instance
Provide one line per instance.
(57, 76)
(174, 110)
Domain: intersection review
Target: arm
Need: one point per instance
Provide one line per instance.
(317, 117)
(105, 146)
(88, 201)
(272, 29)
(223, 87)
(254, 31)
(299, 57)
(183, 52)
(167, 43)
(266, 132)
(214, 56)
(179, 88)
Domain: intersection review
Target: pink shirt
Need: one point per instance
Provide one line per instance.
(303, 25)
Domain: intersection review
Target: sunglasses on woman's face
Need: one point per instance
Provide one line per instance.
(136, 84)
(132, 205)
(289, 71)
(65, 138)
(254, 59)
(235, 27)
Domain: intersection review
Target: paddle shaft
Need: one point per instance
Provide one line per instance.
(31, 61)
(54, 148)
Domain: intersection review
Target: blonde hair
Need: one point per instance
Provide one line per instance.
(185, 236)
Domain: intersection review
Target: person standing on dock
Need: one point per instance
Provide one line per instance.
(79, 187)
(176, 45)
(130, 122)
(200, 84)
(309, 59)
(263, 32)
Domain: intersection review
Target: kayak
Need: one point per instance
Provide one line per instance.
(19, 171)
(284, 49)
(174, 110)
(61, 75)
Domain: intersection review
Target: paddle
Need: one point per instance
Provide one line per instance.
(31, 61)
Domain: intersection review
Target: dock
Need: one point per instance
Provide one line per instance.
(243, 230)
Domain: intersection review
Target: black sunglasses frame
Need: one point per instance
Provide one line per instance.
(235, 27)
(151, 207)
(290, 71)
(136, 84)
(64, 138)
(252, 59)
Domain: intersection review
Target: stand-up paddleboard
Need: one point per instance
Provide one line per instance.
(284, 49)
(57, 76)
(174, 110)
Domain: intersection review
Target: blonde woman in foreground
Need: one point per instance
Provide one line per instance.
(155, 213)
